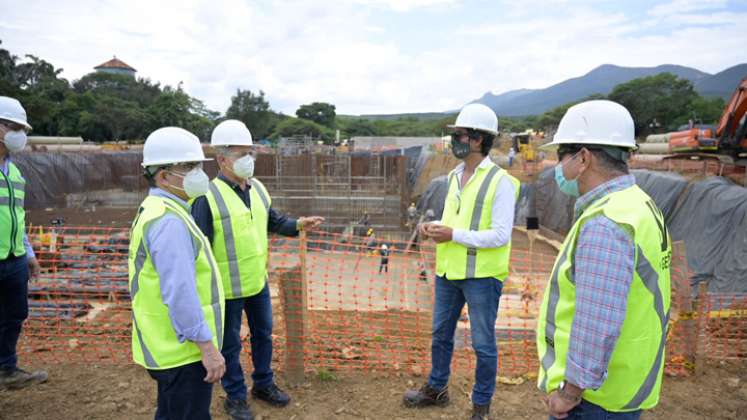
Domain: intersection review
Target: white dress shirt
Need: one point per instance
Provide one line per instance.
(501, 215)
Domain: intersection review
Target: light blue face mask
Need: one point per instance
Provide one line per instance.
(569, 187)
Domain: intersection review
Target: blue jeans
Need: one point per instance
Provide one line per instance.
(258, 310)
(589, 411)
(482, 296)
(182, 393)
(14, 306)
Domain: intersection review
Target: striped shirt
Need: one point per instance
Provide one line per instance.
(603, 270)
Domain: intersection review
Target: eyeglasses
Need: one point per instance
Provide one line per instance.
(564, 151)
(472, 134)
(12, 126)
(238, 155)
(183, 168)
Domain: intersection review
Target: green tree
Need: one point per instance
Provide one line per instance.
(254, 111)
(707, 110)
(319, 112)
(655, 102)
(300, 127)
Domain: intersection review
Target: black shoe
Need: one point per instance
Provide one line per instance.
(480, 412)
(272, 395)
(18, 378)
(426, 396)
(238, 409)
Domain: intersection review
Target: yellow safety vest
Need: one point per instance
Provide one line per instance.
(154, 341)
(470, 209)
(12, 215)
(636, 365)
(240, 243)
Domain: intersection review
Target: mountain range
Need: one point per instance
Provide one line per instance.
(602, 80)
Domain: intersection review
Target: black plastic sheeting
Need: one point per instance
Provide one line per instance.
(712, 220)
(710, 216)
(51, 176)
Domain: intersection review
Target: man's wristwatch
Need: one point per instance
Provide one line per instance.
(564, 394)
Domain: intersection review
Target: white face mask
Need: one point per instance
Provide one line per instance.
(15, 141)
(244, 167)
(195, 182)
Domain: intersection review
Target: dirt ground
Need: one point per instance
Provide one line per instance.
(127, 392)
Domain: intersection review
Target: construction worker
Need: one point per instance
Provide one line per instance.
(236, 215)
(18, 263)
(384, 264)
(175, 286)
(474, 244)
(412, 215)
(511, 156)
(603, 320)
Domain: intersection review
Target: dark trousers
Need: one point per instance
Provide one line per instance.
(384, 265)
(258, 309)
(182, 393)
(589, 411)
(14, 306)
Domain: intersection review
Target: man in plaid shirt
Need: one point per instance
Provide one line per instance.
(613, 268)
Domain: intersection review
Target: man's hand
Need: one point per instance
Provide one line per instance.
(440, 233)
(213, 361)
(309, 223)
(558, 406)
(34, 269)
(423, 229)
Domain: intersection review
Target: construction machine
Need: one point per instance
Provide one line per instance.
(523, 146)
(728, 142)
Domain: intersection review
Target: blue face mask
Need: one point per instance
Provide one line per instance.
(569, 187)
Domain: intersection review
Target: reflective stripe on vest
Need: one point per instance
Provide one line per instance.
(261, 192)
(471, 209)
(240, 242)
(626, 388)
(230, 243)
(153, 357)
(12, 214)
(475, 222)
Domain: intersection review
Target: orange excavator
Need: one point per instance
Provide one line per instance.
(730, 139)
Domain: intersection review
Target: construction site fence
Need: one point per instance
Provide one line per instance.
(338, 307)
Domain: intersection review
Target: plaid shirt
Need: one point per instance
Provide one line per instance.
(603, 265)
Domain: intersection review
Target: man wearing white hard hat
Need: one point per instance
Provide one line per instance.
(603, 320)
(236, 215)
(175, 285)
(17, 260)
(472, 256)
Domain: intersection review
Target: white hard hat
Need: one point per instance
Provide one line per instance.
(231, 133)
(598, 122)
(477, 117)
(384, 246)
(12, 110)
(172, 145)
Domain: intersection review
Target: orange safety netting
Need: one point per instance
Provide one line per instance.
(335, 310)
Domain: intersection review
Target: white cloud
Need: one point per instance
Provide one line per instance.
(347, 53)
(685, 6)
(407, 5)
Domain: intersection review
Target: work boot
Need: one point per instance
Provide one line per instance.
(480, 412)
(15, 378)
(272, 395)
(238, 409)
(426, 396)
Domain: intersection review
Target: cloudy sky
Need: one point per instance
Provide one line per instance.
(372, 56)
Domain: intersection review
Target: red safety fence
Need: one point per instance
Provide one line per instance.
(336, 307)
